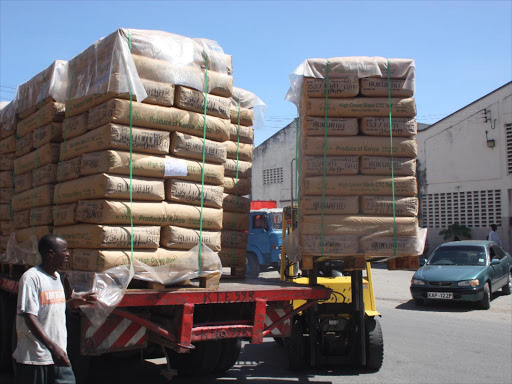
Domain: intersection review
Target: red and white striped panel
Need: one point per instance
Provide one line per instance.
(116, 334)
(273, 315)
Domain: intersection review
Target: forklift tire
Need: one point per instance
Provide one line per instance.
(374, 345)
(296, 347)
(253, 266)
(230, 352)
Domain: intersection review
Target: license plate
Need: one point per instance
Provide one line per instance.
(440, 295)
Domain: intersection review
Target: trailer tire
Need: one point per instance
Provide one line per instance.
(201, 361)
(253, 265)
(229, 354)
(374, 345)
(296, 347)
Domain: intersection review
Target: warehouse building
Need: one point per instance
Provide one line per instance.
(465, 169)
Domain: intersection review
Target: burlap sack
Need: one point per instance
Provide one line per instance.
(232, 203)
(384, 246)
(7, 162)
(360, 185)
(24, 145)
(32, 198)
(246, 115)
(38, 232)
(49, 133)
(234, 239)
(360, 107)
(244, 169)
(23, 182)
(358, 225)
(5, 211)
(64, 214)
(48, 113)
(334, 205)
(315, 126)
(41, 216)
(108, 186)
(191, 147)
(8, 145)
(6, 227)
(117, 162)
(184, 238)
(48, 153)
(7, 193)
(190, 217)
(378, 165)
(233, 257)
(374, 87)
(45, 175)
(244, 151)
(333, 245)
(185, 192)
(338, 87)
(22, 219)
(156, 117)
(240, 187)
(383, 205)
(336, 165)
(69, 169)
(192, 100)
(101, 260)
(101, 236)
(361, 146)
(246, 134)
(6, 179)
(379, 126)
(74, 126)
(235, 221)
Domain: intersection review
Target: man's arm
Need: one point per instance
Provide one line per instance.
(60, 358)
(78, 301)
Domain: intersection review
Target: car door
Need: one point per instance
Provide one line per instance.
(497, 271)
(259, 235)
(500, 254)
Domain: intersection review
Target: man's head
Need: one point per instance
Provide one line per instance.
(53, 250)
(494, 227)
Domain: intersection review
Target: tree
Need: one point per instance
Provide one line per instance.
(456, 230)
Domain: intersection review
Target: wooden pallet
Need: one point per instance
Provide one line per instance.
(205, 282)
(404, 263)
(352, 262)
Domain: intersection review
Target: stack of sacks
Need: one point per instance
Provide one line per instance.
(7, 150)
(358, 211)
(237, 172)
(92, 209)
(40, 112)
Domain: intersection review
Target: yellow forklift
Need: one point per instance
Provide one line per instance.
(343, 330)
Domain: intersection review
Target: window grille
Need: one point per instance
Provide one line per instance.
(273, 176)
(508, 131)
(474, 209)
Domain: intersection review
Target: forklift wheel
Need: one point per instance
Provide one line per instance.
(296, 347)
(374, 345)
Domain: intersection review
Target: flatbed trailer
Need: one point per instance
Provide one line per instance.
(185, 322)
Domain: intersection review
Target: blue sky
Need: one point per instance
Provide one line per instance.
(462, 48)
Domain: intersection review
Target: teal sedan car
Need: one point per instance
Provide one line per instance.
(463, 271)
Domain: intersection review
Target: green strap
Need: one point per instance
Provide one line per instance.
(131, 158)
(236, 181)
(392, 166)
(199, 260)
(322, 228)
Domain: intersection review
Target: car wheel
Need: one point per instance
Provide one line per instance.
(485, 303)
(507, 288)
(253, 266)
(419, 302)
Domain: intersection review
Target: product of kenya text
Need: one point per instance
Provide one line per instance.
(356, 160)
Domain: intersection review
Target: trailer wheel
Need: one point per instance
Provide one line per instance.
(253, 265)
(201, 361)
(296, 347)
(374, 345)
(229, 354)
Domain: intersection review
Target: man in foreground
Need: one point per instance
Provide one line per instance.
(41, 319)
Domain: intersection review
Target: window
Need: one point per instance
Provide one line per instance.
(508, 132)
(474, 209)
(499, 254)
(259, 222)
(273, 176)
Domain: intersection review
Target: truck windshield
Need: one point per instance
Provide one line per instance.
(277, 220)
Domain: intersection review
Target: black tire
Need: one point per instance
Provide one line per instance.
(485, 303)
(507, 288)
(296, 347)
(374, 345)
(229, 355)
(279, 341)
(201, 361)
(419, 302)
(81, 364)
(253, 266)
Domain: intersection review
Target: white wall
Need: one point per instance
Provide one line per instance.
(454, 157)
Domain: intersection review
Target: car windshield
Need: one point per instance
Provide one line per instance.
(458, 255)
(276, 218)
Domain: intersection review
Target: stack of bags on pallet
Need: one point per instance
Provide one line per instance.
(7, 150)
(357, 217)
(237, 182)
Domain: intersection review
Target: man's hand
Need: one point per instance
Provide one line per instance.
(77, 301)
(59, 356)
